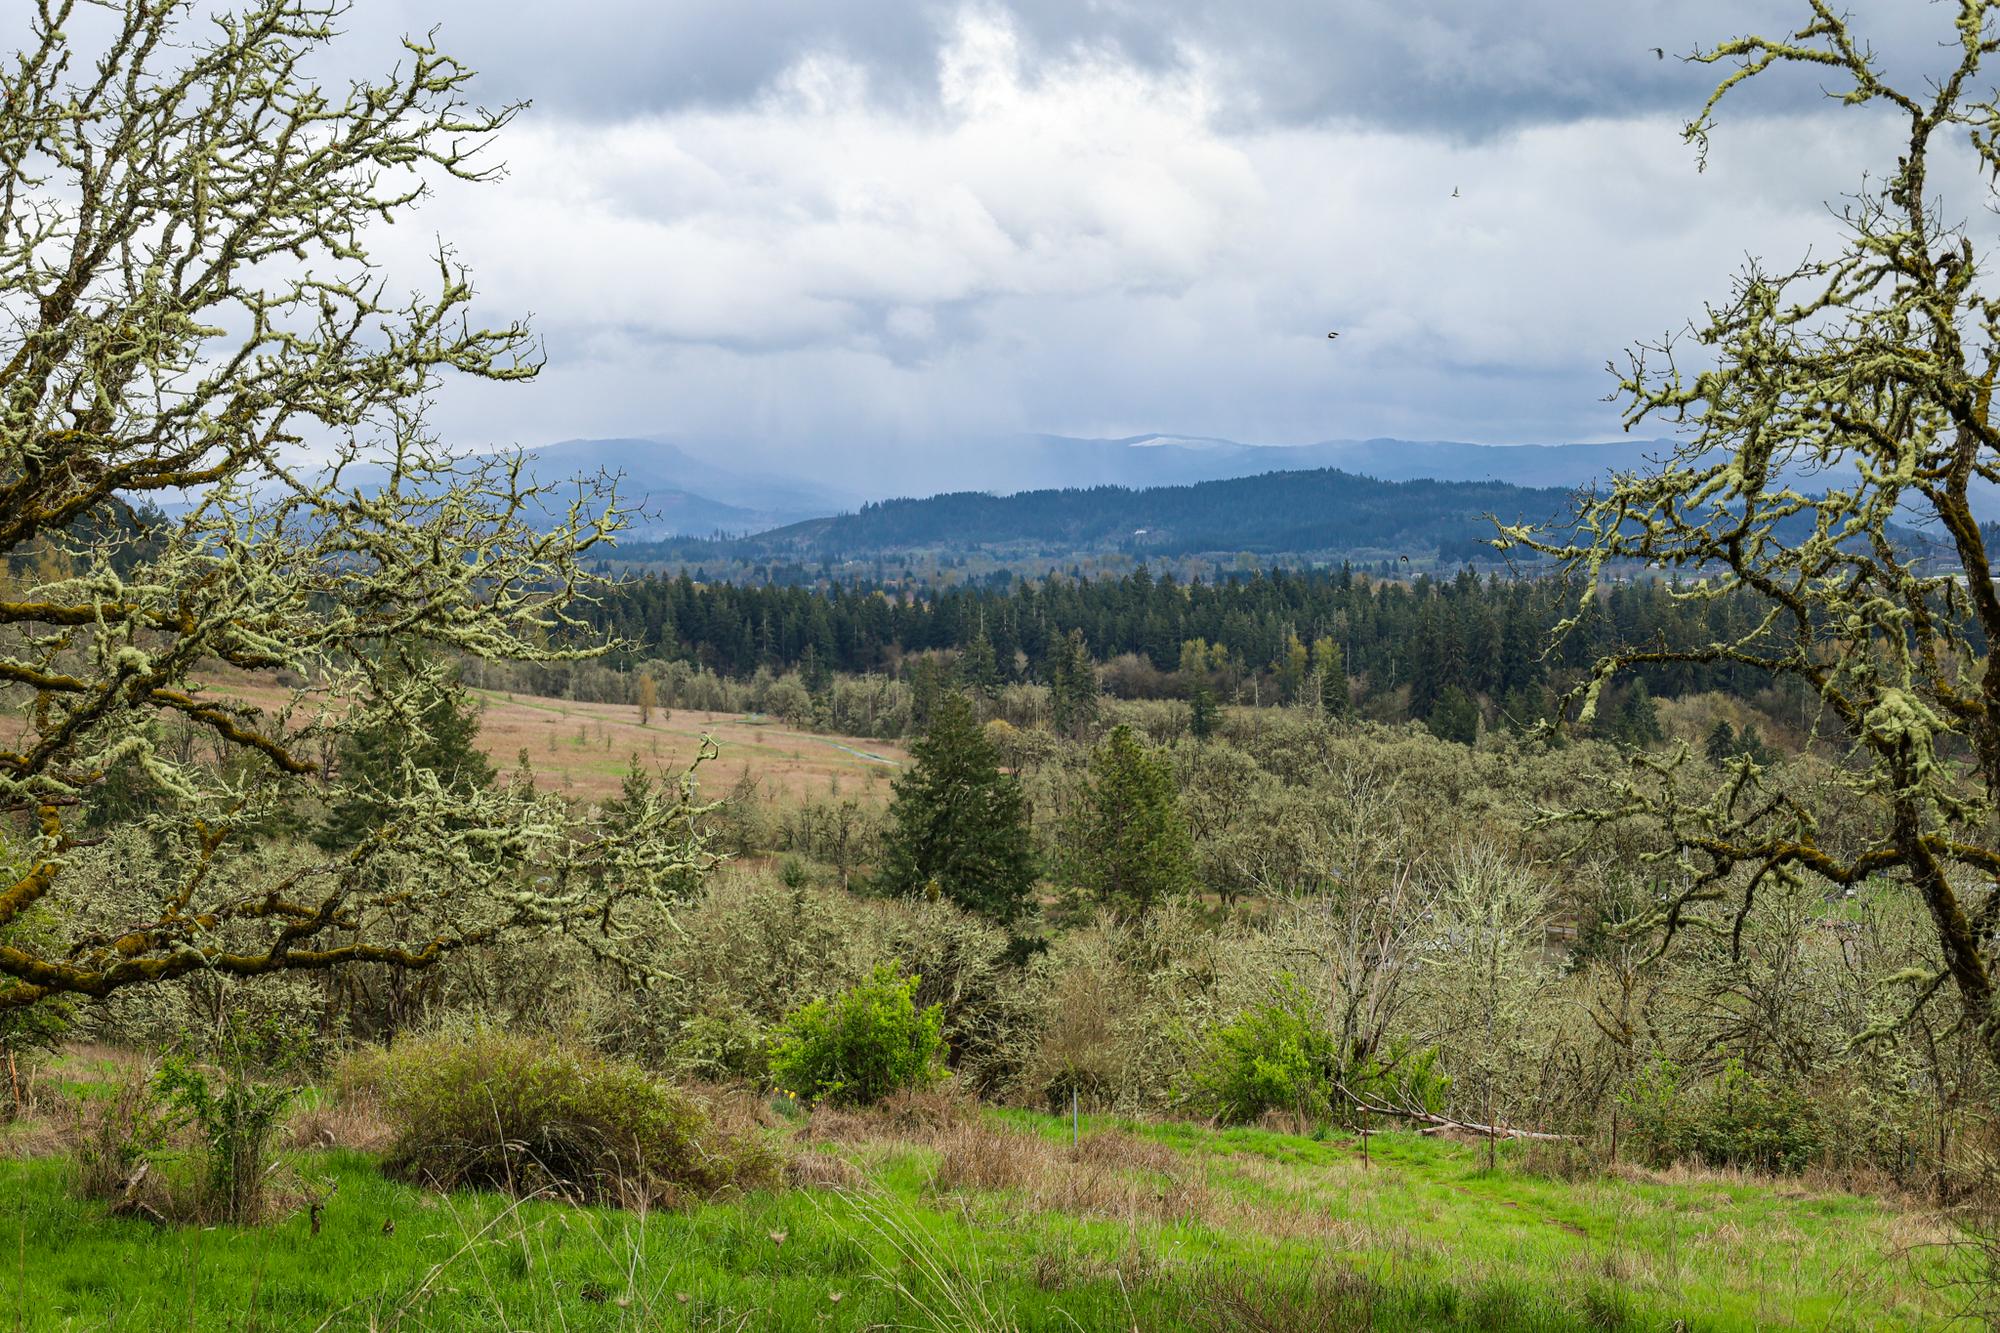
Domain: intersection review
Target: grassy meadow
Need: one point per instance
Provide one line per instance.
(932, 1214)
(583, 749)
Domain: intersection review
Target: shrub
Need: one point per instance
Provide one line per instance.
(863, 1045)
(233, 1103)
(1281, 1056)
(191, 1141)
(111, 1139)
(1741, 1121)
(1274, 1056)
(524, 1114)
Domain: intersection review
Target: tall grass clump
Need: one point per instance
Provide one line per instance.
(527, 1115)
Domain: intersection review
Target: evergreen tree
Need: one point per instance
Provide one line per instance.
(1638, 719)
(1128, 845)
(438, 735)
(958, 822)
(1201, 713)
(1073, 686)
(1721, 742)
(1748, 742)
(1521, 708)
(977, 666)
(1429, 682)
(815, 673)
(1455, 717)
(635, 790)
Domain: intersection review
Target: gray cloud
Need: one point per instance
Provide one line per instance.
(1084, 244)
(1469, 67)
(847, 236)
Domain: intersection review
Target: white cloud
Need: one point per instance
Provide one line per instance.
(1078, 242)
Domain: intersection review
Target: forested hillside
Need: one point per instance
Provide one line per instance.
(1319, 511)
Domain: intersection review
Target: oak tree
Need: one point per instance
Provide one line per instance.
(195, 315)
(1835, 416)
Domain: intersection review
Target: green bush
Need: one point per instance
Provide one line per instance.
(1275, 1056)
(1281, 1056)
(234, 1106)
(1740, 1121)
(863, 1045)
(524, 1114)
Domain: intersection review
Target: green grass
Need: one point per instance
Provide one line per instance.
(1421, 1238)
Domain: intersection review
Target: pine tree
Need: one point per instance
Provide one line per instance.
(958, 822)
(1201, 713)
(1525, 706)
(1748, 742)
(1721, 742)
(1455, 717)
(977, 666)
(815, 673)
(1073, 686)
(1639, 720)
(635, 790)
(1429, 681)
(1128, 845)
(438, 735)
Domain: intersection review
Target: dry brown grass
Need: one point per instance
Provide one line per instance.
(1111, 1174)
(1122, 1148)
(352, 1120)
(916, 1117)
(821, 1169)
(736, 1109)
(582, 748)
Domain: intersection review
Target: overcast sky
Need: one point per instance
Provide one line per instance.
(825, 230)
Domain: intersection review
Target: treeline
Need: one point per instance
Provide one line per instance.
(1262, 639)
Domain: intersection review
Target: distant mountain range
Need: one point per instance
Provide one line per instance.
(1036, 462)
(677, 493)
(683, 490)
(1320, 513)
(691, 489)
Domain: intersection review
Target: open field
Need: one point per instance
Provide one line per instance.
(992, 1221)
(584, 748)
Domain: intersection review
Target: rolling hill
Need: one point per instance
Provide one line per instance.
(1321, 512)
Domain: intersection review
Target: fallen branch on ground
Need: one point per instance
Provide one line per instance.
(1438, 1124)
